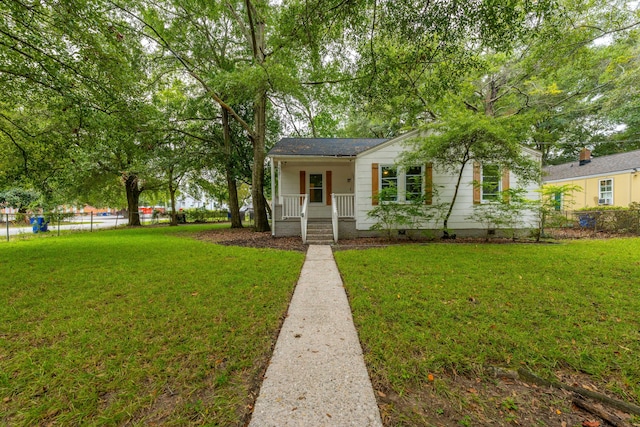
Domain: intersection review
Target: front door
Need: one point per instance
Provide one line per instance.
(317, 186)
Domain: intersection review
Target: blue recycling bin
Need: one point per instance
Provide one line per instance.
(586, 221)
(39, 224)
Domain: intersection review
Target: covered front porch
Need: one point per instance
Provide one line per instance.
(314, 199)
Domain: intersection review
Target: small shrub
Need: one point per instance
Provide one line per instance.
(505, 213)
(201, 215)
(613, 219)
(392, 216)
(22, 218)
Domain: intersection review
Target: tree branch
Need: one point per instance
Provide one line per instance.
(189, 69)
(25, 157)
(254, 44)
(373, 54)
(323, 82)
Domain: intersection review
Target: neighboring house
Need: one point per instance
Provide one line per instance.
(335, 182)
(605, 181)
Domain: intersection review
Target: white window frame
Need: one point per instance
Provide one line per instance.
(401, 181)
(484, 197)
(381, 180)
(602, 194)
(420, 175)
(324, 184)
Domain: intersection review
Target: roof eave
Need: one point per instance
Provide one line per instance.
(309, 156)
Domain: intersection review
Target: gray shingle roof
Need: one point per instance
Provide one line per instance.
(329, 147)
(598, 166)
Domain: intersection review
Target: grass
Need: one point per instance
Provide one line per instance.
(136, 327)
(444, 308)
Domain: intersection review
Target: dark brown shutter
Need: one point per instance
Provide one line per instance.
(329, 189)
(505, 184)
(428, 184)
(374, 184)
(477, 184)
(505, 179)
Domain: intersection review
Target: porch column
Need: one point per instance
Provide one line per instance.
(280, 183)
(273, 198)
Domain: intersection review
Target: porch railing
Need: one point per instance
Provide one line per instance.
(334, 217)
(342, 206)
(303, 219)
(292, 205)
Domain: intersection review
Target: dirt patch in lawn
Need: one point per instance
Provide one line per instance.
(246, 237)
(493, 401)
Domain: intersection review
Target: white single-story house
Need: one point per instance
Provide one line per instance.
(323, 188)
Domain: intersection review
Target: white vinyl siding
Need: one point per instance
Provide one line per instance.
(443, 182)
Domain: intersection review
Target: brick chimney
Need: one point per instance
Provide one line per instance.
(585, 156)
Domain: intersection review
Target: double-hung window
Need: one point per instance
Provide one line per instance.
(389, 183)
(401, 184)
(413, 183)
(491, 178)
(605, 192)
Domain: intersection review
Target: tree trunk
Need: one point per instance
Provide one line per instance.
(266, 204)
(453, 199)
(174, 214)
(232, 186)
(260, 126)
(172, 196)
(133, 199)
(257, 188)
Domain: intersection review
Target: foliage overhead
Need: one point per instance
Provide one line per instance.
(96, 93)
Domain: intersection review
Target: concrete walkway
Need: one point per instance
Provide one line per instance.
(317, 375)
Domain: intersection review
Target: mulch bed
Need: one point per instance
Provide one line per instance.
(246, 237)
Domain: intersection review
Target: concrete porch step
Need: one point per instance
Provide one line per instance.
(328, 232)
(319, 226)
(319, 233)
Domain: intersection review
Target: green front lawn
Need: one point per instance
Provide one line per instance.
(136, 326)
(457, 308)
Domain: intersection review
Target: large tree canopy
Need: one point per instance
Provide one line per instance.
(106, 94)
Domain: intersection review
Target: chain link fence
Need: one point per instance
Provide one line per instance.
(17, 225)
